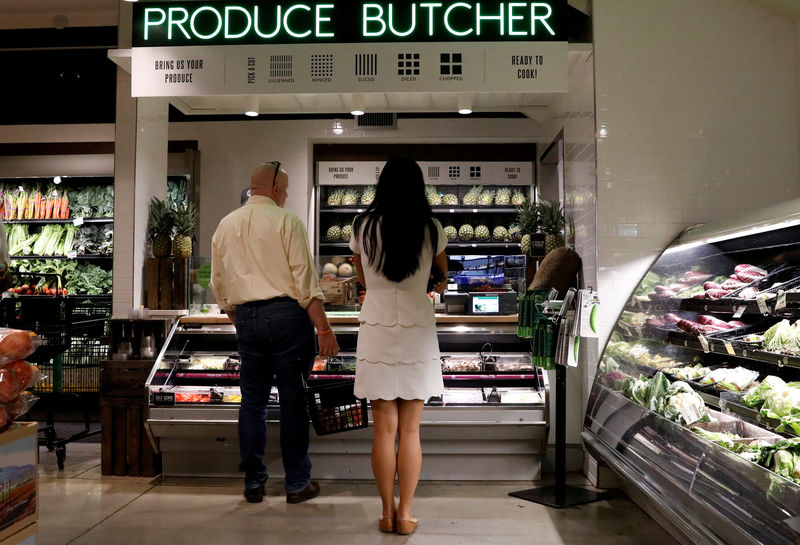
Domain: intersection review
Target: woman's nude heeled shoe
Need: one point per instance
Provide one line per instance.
(406, 526)
(387, 524)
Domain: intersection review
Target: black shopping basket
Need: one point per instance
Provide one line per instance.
(334, 408)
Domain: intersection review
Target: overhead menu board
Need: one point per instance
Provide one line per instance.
(222, 48)
(433, 172)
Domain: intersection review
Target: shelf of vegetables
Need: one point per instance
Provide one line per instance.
(61, 228)
(703, 368)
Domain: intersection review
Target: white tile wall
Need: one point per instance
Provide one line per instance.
(698, 102)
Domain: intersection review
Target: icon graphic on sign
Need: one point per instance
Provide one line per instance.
(280, 66)
(455, 172)
(321, 66)
(474, 172)
(450, 64)
(433, 172)
(408, 64)
(366, 64)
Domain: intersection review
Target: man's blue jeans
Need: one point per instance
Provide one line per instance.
(276, 342)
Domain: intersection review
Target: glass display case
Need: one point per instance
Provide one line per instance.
(696, 403)
(495, 405)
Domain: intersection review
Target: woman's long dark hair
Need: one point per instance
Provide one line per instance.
(400, 211)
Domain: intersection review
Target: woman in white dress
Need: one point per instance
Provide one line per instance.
(395, 242)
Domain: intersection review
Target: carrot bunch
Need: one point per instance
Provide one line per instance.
(22, 205)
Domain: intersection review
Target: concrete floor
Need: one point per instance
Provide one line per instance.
(79, 506)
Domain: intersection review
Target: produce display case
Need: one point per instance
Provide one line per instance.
(491, 422)
(476, 202)
(696, 403)
(64, 226)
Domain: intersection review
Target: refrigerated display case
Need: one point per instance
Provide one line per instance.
(696, 402)
(491, 422)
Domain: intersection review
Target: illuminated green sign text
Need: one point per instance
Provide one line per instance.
(187, 23)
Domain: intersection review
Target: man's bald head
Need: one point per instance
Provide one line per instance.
(261, 182)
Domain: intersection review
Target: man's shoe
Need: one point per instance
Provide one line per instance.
(311, 491)
(254, 495)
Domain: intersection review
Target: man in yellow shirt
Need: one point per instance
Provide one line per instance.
(264, 278)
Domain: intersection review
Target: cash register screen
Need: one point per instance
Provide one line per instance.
(485, 304)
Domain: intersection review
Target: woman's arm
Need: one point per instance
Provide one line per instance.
(360, 269)
(441, 263)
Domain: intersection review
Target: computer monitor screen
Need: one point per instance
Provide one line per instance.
(485, 304)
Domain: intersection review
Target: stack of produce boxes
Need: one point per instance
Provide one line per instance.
(18, 446)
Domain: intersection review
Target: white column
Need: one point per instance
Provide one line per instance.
(140, 173)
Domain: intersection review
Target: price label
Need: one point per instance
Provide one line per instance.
(703, 343)
(452, 210)
(164, 399)
(739, 311)
(77, 222)
(474, 210)
(72, 254)
(729, 348)
(762, 305)
(690, 413)
(780, 302)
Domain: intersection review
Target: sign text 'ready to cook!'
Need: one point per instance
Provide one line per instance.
(212, 23)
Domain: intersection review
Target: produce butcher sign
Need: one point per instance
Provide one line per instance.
(230, 48)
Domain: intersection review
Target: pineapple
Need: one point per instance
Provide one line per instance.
(482, 233)
(500, 234)
(527, 222)
(335, 198)
(350, 197)
(334, 233)
(472, 196)
(160, 222)
(368, 195)
(347, 231)
(552, 221)
(450, 200)
(515, 233)
(518, 198)
(185, 222)
(525, 244)
(486, 198)
(503, 197)
(451, 233)
(466, 233)
(434, 199)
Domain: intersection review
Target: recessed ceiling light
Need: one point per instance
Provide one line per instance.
(357, 104)
(464, 104)
(252, 107)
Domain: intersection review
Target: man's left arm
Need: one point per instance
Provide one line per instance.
(217, 282)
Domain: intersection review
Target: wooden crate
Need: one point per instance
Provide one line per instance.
(26, 536)
(166, 282)
(126, 449)
(124, 378)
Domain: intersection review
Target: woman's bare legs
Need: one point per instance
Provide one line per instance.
(384, 454)
(409, 455)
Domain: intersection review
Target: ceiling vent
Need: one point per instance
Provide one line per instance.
(376, 121)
